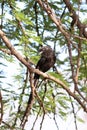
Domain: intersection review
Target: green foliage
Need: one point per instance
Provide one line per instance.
(28, 29)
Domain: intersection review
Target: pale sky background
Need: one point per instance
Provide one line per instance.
(49, 123)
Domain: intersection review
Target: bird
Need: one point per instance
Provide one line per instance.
(47, 60)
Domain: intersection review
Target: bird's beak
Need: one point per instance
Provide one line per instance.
(40, 51)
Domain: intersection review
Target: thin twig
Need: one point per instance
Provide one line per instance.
(10, 127)
(2, 13)
(73, 109)
(5, 51)
(36, 119)
(55, 112)
(40, 101)
(42, 121)
(1, 107)
(21, 97)
(36, 18)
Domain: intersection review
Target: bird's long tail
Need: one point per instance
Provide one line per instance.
(36, 78)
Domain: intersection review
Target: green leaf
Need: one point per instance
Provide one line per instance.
(80, 120)
(59, 76)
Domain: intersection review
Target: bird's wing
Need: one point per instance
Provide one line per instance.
(41, 62)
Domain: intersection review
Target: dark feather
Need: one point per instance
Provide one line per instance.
(46, 61)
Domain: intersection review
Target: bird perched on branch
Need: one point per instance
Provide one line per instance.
(46, 61)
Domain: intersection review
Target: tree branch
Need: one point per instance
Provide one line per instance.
(29, 104)
(75, 17)
(55, 19)
(5, 51)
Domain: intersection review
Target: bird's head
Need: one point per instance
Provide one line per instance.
(45, 49)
